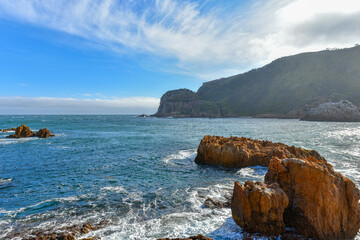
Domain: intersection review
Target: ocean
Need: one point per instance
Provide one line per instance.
(139, 173)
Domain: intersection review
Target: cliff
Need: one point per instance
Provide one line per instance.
(287, 87)
(185, 103)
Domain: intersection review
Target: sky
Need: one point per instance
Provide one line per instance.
(119, 57)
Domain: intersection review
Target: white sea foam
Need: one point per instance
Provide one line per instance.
(256, 173)
(117, 189)
(5, 141)
(182, 154)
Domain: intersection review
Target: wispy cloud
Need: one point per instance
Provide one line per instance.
(50, 105)
(201, 39)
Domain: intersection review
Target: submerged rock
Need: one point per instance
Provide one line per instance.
(67, 233)
(22, 132)
(235, 152)
(198, 237)
(211, 203)
(343, 111)
(323, 204)
(142, 116)
(258, 207)
(7, 130)
(44, 133)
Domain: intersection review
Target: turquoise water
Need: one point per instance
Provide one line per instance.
(139, 173)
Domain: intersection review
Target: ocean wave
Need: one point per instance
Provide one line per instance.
(117, 189)
(6, 141)
(256, 173)
(180, 155)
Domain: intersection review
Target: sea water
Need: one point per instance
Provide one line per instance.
(139, 173)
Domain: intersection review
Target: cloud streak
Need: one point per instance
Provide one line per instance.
(204, 40)
(50, 105)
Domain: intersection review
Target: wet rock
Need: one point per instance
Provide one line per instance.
(142, 115)
(22, 132)
(343, 111)
(323, 204)
(44, 133)
(235, 152)
(198, 237)
(7, 130)
(258, 207)
(211, 203)
(67, 233)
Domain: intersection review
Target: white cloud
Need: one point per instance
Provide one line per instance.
(50, 105)
(204, 41)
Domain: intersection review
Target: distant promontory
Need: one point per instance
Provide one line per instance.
(288, 87)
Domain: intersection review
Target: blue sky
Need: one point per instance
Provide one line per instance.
(119, 57)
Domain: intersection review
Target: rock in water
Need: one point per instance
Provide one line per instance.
(22, 132)
(343, 111)
(235, 152)
(259, 207)
(44, 133)
(323, 204)
(198, 237)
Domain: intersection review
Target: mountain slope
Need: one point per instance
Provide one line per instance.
(289, 85)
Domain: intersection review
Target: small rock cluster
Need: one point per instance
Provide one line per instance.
(68, 233)
(24, 132)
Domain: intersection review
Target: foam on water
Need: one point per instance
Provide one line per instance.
(180, 155)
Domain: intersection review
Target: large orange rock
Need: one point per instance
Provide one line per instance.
(323, 204)
(235, 152)
(259, 207)
(22, 132)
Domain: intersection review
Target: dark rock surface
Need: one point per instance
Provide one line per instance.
(67, 233)
(343, 111)
(185, 103)
(259, 207)
(198, 237)
(235, 152)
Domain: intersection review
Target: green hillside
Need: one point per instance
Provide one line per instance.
(288, 83)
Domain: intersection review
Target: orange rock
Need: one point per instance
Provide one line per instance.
(22, 132)
(258, 207)
(44, 133)
(235, 152)
(323, 204)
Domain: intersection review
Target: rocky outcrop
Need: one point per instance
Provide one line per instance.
(343, 111)
(7, 130)
(235, 152)
(185, 103)
(258, 207)
(67, 233)
(22, 132)
(43, 133)
(142, 116)
(198, 237)
(323, 204)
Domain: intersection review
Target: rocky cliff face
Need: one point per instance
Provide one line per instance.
(185, 103)
(343, 111)
(235, 152)
(259, 207)
(323, 204)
